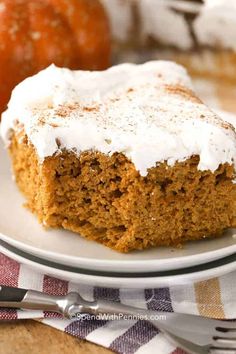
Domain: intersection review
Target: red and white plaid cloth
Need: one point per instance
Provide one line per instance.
(213, 298)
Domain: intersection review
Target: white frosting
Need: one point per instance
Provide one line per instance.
(133, 109)
(215, 26)
(120, 15)
(227, 117)
(164, 24)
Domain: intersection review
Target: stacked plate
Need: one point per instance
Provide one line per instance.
(66, 255)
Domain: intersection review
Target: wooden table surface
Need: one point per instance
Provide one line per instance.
(31, 337)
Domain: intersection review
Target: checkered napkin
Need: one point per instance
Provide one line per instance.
(213, 298)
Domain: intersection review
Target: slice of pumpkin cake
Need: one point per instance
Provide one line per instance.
(128, 157)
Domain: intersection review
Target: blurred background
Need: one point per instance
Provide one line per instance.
(199, 34)
(94, 34)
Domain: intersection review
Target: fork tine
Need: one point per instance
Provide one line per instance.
(222, 342)
(215, 350)
(227, 333)
(226, 329)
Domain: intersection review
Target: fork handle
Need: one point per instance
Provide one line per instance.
(10, 294)
(28, 299)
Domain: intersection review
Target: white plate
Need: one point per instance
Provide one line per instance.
(19, 228)
(119, 279)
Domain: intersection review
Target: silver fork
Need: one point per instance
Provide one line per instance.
(219, 345)
(192, 333)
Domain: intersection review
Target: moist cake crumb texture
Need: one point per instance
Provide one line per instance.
(129, 157)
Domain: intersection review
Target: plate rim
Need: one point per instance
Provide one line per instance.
(110, 281)
(122, 264)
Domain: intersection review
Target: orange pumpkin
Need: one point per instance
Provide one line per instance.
(36, 33)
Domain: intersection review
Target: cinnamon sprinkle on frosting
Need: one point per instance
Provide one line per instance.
(148, 112)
